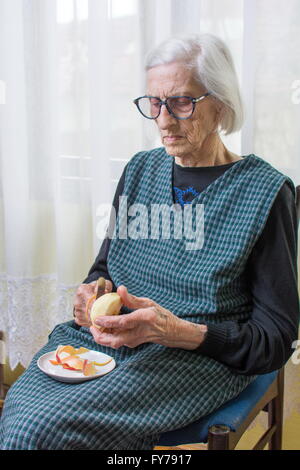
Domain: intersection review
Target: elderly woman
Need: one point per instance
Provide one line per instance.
(200, 320)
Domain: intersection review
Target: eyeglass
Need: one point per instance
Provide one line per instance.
(180, 107)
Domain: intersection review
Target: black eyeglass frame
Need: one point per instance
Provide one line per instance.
(164, 102)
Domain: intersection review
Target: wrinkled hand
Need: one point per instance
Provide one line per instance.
(149, 323)
(83, 293)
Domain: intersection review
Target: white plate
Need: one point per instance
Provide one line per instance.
(73, 376)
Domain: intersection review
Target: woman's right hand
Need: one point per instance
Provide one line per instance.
(83, 294)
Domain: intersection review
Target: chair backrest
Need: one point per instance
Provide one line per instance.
(298, 202)
(2, 360)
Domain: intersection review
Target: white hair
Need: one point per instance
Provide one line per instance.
(211, 61)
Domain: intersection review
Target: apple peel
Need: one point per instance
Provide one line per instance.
(88, 368)
(67, 357)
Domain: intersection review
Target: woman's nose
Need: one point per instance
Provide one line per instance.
(165, 119)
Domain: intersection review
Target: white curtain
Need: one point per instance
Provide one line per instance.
(69, 70)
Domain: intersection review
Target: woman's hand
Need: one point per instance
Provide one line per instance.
(83, 293)
(149, 323)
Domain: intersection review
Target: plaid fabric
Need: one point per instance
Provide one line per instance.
(210, 280)
(153, 389)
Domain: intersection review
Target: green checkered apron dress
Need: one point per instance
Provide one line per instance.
(154, 388)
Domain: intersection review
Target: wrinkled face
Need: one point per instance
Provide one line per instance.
(182, 138)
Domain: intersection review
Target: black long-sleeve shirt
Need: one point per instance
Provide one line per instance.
(264, 342)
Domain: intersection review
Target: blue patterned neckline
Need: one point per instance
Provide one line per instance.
(180, 193)
(169, 168)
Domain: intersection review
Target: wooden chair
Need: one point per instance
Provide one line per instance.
(223, 428)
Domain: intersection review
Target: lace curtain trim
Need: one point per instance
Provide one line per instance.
(30, 309)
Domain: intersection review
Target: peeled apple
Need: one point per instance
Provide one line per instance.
(107, 304)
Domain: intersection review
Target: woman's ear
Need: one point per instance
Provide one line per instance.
(220, 113)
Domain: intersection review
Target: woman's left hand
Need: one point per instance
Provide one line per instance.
(149, 323)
